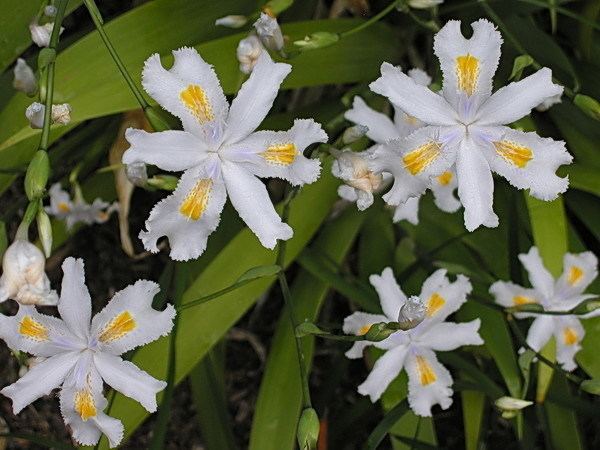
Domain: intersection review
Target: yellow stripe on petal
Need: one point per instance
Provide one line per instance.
(467, 73)
(63, 207)
(426, 373)
(434, 304)
(32, 329)
(85, 405)
(445, 178)
(281, 154)
(196, 101)
(570, 336)
(575, 275)
(120, 326)
(514, 153)
(523, 300)
(195, 203)
(417, 160)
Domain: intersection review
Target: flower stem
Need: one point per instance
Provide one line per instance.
(376, 18)
(99, 23)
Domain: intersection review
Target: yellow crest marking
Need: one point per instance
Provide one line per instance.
(120, 326)
(426, 372)
(63, 207)
(417, 160)
(434, 304)
(467, 73)
(281, 154)
(196, 201)
(445, 178)
(196, 101)
(575, 275)
(514, 153)
(84, 404)
(523, 300)
(411, 120)
(364, 330)
(570, 336)
(32, 329)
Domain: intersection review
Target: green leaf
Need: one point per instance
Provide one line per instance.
(279, 399)
(583, 177)
(201, 327)
(473, 406)
(383, 428)
(591, 386)
(259, 272)
(521, 62)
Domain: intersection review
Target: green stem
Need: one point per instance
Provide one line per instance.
(48, 87)
(30, 212)
(99, 23)
(212, 296)
(384, 12)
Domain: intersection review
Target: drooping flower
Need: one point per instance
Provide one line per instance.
(40, 34)
(23, 275)
(248, 51)
(232, 21)
(77, 210)
(359, 180)
(579, 270)
(61, 114)
(24, 80)
(429, 382)
(80, 352)
(269, 32)
(466, 124)
(219, 152)
(379, 159)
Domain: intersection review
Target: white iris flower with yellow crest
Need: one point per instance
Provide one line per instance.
(79, 352)
(429, 382)
(579, 270)
(219, 151)
(466, 125)
(407, 190)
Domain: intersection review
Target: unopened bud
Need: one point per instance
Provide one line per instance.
(137, 173)
(233, 21)
(412, 313)
(510, 406)
(37, 175)
(45, 231)
(378, 332)
(354, 133)
(248, 51)
(61, 114)
(269, 32)
(588, 105)
(591, 386)
(319, 39)
(24, 80)
(308, 328)
(50, 11)
(40, 34)
(164, 182)
(308, 430)
(424, 4)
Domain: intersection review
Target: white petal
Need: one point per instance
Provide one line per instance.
(129, 380)
(358, 324)
(448, 336)
(187, 236)
(475, 186)
(429, 382)
(170, 150)
(60, 201)
(509, 294)
(443, 187)
(539, 277)
(279, 154)
(510, 103)
(540, 332)
(250, 198)
(384, 371)
(527, 161)
(349, 194)
(568, 333)
(419, 76)
(204, 110)
(414, 99)
(391, 296)
(381, 127)
(255, 98)
(409, 211)
(441, 297)
(468, 65)
(75, 306)
(40, 380)
(129, 321)
(579, 270)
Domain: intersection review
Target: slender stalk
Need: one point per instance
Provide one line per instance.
(376, 18)
(48, 87)
(212, 296)
(99, 23)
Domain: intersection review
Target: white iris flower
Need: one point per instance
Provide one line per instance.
(219, 151)
(80, 352)
(77, 210)
(379, 158)
(429, 382)
(561, 295)
(465, 125)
